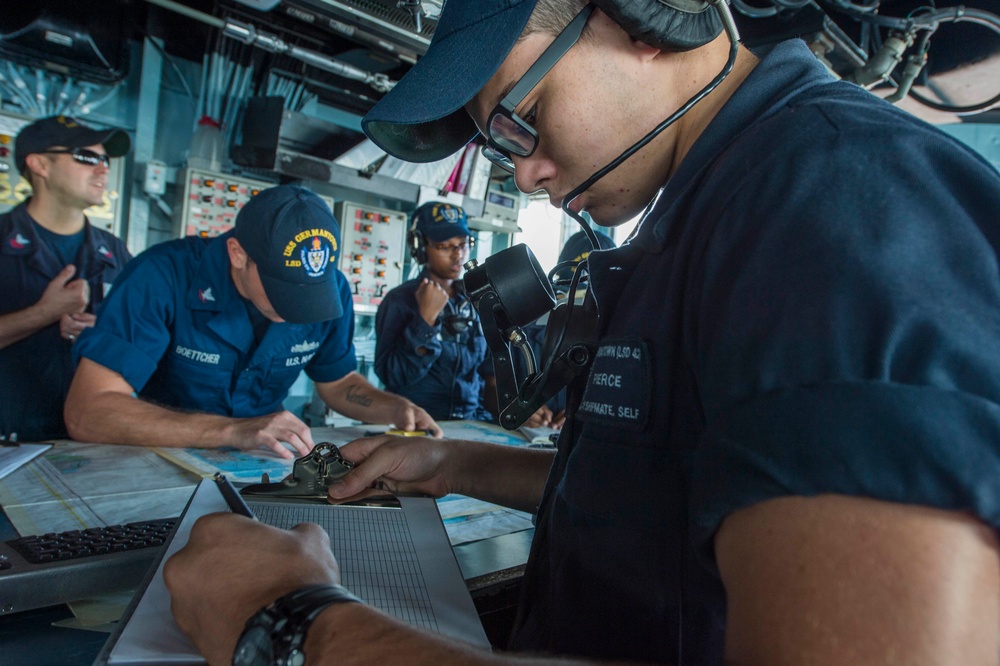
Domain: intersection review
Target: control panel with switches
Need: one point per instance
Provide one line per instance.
(209, 201)
(373, 245)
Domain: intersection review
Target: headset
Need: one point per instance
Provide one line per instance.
(672, 25)
(417, 243)
(510, 290)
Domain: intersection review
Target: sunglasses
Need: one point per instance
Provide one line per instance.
(507, 133)
(83, 156)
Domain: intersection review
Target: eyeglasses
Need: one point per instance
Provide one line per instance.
(506, 132)
(461, 248)
(83, 156)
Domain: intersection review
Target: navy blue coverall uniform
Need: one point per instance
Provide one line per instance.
(35, 373)
(447, 380)
(767, 335)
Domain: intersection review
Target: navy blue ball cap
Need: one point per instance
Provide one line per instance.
(292, 236)
(439, 221)
(66, 132)
(578, 246)
(422, 118)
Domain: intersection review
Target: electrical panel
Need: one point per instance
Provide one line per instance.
(14, 189)
(373, 248)
(209, 201)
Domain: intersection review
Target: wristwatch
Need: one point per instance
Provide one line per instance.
(275, 634)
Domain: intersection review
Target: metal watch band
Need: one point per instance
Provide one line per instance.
(291, 615)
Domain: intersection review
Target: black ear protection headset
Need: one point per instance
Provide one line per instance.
(417, 243)
(511, 291)
(671, 25)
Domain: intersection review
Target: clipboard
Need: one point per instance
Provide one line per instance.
(398, 560)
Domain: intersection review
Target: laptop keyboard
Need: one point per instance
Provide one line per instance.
(48, 569)
(93, 541)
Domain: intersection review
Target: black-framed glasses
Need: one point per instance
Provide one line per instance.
(507, 133)
(83, 156)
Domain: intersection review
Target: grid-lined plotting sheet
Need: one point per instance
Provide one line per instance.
(378, 561)
(396, 559)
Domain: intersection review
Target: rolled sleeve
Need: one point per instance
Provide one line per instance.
(865, 362)
(892, 442)
(131, 332)
(135, 365)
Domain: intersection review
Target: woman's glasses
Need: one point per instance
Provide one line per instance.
(460, 248)
(83, 156)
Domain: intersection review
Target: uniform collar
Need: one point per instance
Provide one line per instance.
(22, 239)
(787, 70)
(212, 288)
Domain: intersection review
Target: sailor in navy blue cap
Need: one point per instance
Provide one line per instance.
(55, 268)
(201, 339)
(783, 444)
(429, 342)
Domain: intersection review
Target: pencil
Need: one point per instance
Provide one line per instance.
(233, 499)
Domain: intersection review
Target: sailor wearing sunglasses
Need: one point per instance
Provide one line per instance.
(55, 268)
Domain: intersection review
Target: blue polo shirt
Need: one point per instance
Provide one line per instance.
(812, 306)
(177, 330)
(35, 372)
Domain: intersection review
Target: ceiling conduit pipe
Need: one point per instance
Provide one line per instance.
(248, 34)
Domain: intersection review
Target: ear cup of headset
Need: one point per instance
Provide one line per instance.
(671, 25)
(418, 248)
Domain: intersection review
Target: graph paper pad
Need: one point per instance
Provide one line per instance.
(378, 559)
(398, 560)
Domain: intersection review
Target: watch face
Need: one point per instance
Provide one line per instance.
(254, 648)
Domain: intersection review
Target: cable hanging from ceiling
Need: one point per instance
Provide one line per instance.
(899, 58)
(38, 92)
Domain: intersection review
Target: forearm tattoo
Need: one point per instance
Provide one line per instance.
(355, 395)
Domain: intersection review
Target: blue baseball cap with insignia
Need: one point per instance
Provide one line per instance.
(422, 119)
(294, 239)
(439, 221)
(578, 246)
